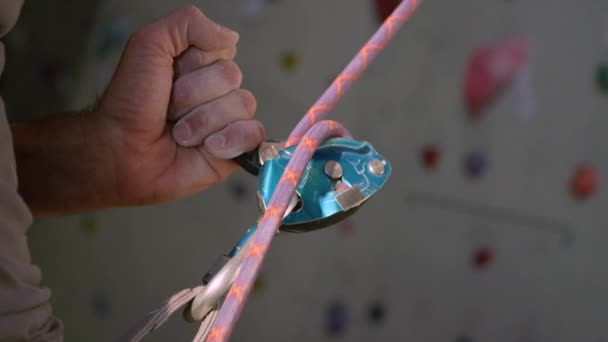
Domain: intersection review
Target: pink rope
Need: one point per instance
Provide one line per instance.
(308, 134)
(354, 69)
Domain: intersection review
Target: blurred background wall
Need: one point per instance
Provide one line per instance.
(490, 229)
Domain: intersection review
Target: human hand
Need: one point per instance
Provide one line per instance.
(173, 115)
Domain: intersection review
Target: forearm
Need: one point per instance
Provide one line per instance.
(63, 164)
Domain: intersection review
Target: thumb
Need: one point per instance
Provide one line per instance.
(143, 79)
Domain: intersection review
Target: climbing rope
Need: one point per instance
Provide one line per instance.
(308, 134)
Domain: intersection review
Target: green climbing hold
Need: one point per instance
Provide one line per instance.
(88, 224)
(259, 285)
(602, 77)
(376, 313)
(290, 61)
(464, 338)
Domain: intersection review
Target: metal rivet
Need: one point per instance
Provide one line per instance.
(333, 169)
(376, 167)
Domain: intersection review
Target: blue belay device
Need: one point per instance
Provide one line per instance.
(324, 200)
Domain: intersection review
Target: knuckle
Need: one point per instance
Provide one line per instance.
(138, 37)
(203, 117)
(232, 72)
(181, 92)
(202, 58)
(251, 133)
(192, 10)
(249, 101)
(231, 54)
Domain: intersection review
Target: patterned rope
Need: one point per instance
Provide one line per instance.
(308, 134)
(354, 69)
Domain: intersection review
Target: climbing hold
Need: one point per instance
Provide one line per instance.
(489, 70)
(53, 74)
(464, 338)
(113, 36)
(290, 61)
(346, 227)
(259, 285)
(601, 76)
(88, 224)
(337, 318)
(239, 189)
(585, 181)
(429, 156)
(482, 258)
(475, 164)
(254, 8)
(384, 8)
(100, 305)
(377, 313)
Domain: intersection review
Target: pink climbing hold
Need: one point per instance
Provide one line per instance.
(490, 69)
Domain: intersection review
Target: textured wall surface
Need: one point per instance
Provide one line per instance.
(437, 255)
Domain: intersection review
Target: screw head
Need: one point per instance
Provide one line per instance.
(333, 170)
(377, 167)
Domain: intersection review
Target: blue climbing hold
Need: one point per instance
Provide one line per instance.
(337, 318)
(239, 189)
(475, 164)
(100, 305)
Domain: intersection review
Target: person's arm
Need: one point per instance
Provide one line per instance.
(63, 164)
(128, 151)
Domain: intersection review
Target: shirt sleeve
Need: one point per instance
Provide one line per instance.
(25, 309)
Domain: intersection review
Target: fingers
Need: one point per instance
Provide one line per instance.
(142, 83)
(203, 85)
(193, 128)
(195, 58)
(235, 139)
(186, 27)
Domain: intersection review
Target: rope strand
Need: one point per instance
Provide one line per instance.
(309, 133)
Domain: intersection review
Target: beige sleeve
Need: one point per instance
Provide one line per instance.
(25, 311)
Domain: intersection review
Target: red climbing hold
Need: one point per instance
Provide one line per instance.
(489, 70)
(384, 8)
(585, 181)
(347, 227)
(429, 156)
(482, 258)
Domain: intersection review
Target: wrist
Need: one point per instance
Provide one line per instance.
(63, 164)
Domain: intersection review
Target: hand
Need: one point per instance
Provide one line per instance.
(173, 115)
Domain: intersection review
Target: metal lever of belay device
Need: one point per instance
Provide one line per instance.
(252, 161)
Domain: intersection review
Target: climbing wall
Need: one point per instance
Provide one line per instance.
(492, 228)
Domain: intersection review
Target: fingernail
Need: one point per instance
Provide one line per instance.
(216, 141)
(182, 132)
